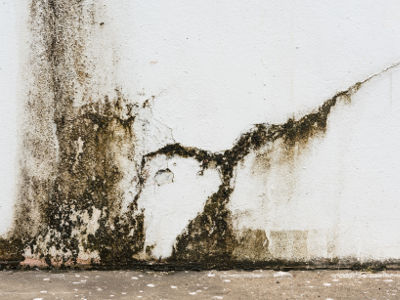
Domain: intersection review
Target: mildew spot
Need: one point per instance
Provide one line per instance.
(11, 250)
(75, 201)
(253, 245)
(210, 238)
(79, 143)
(92, 183)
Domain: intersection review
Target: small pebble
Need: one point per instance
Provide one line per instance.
(151, 285)
(327, 284)
(282, 274)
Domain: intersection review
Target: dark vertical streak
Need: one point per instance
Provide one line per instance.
(82, 169)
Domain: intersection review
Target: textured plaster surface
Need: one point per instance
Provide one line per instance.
(175, 134)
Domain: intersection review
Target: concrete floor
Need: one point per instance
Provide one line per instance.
(247, 285)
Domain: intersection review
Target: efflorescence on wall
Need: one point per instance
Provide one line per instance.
(84, 167)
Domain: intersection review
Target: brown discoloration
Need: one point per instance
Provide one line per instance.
(57, 42)
(11, 250)
(289, 244)
(82, 140)
(70, 208)
(89, 172)
(210, 236)
(252, 245)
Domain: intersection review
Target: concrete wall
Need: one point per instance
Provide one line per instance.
(209, 132)
(9, 66)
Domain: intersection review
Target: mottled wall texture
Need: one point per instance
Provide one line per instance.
(173, 134)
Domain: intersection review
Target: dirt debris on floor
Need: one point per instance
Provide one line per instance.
(234, 284)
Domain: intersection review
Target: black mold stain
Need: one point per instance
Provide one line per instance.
(88, 140)
(88, 179)
(210, 238)
(85, 172)
(11, 251)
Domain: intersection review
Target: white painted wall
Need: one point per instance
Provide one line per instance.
(217, 67)
(9, 64)
(342, 190)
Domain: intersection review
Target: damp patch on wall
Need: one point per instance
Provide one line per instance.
(104, 183)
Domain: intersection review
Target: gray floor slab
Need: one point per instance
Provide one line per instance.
(233, 284)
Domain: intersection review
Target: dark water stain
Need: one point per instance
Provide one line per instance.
(210, 236)
(10, 250)
(252, 245)
(82, 146)
(88, 142)
(88, 178)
